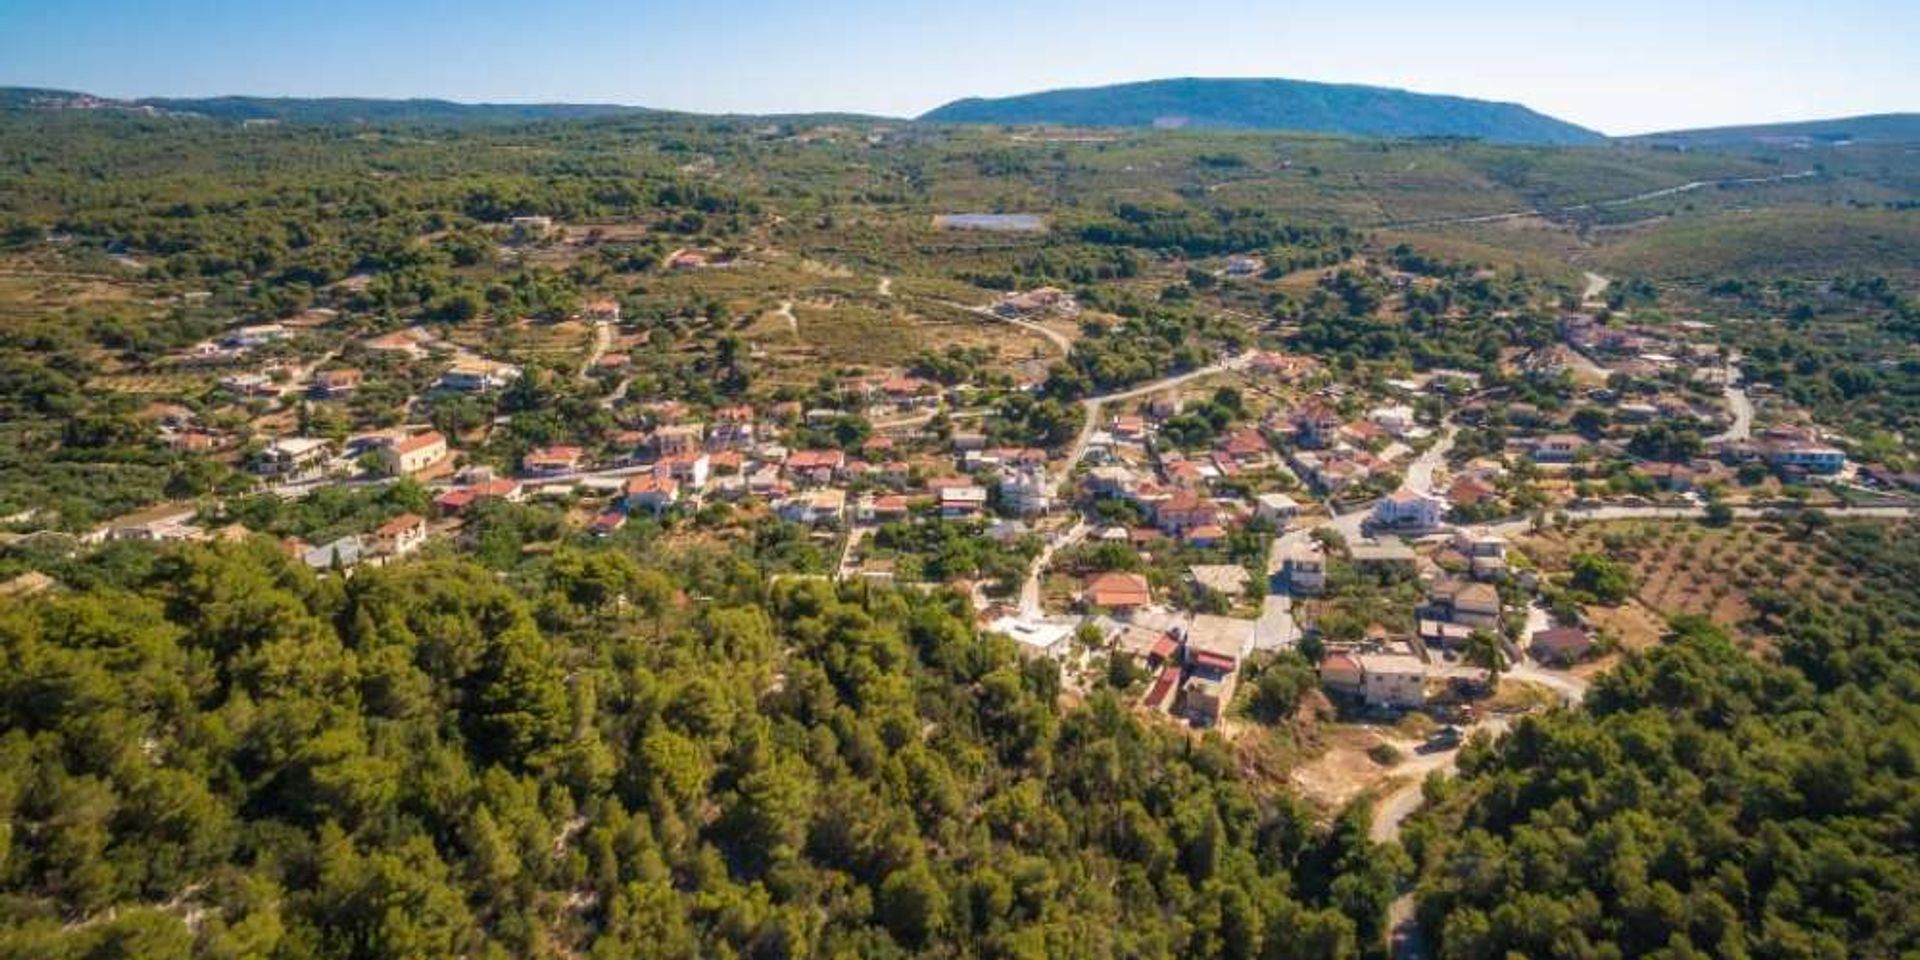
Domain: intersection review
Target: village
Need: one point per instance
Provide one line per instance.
(1194, 525)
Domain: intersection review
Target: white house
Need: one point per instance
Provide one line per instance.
(291, 457)
(1027, 492)
(1393, 680)
(652, 493)
(401, 535)
(823, 507)
(478, 376)
(1409, 510)
(1277, 507)
(410, 455)
(1305, 567)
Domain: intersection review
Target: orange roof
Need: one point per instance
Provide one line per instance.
(648, 483)
(400, 524)
(1119, 590)
(419, 442)
(815, 459)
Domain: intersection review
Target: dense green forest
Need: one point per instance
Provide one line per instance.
(1706, 802)
(211, 752)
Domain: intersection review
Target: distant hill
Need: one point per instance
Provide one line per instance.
(363, 110)
(318, 109)
(1874, 128)
(1272, 105)
(325, 110)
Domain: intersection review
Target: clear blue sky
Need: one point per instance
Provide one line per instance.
(1622, 66)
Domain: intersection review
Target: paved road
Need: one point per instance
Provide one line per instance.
(1059, 340)
(1517, 527)
(1392, 810)
(1091, 405)
(1597, 204)
(1030, 587)
(1419, 475)
(1739, 406)
(846, 567)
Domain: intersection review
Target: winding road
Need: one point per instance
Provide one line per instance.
(1687, 187)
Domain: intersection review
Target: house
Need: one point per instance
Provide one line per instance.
(728, 434)
(412, 455)
(607, 524)
(676, 439)
(1203, 698)
(1475, 605)
(1226, 579)
(293, 457)
(1205, 535)
(887, 509)
(1439, 633)
(1485, 551)
(651, 492)
(250, 385)
(552, 461)
(255, 335)
(1304, 564)
(1409, 511)
(1801, 455)
(1393, 680)
(1246, 447)
(341, 554)
(1117, 591)
(907, 393)
(401, 535)
(1041, 638)
(1215, 645)
(962, 502)
(1558, 448)
(1027, 492)
(815, 507)
(1560, 645)
(1276, 507)
(1388, 555)
(1396, 419)
(334, 384)
(1016, 306)
(459, 499)
(1314, 424)
(815, 466)
(604, 309)
(1340, 673)
(690, 470)
(478, 376)
(1471, 492)
(1183, 511)
(1110, 481)
(1147, 645)
(166, 522)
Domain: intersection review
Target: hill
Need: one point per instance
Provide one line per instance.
(1273, 105)
(1873, 128)
(367, 110)
(317, 109)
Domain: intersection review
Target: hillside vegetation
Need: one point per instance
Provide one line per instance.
(1272, 105)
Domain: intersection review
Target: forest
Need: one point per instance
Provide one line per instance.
(1705, 802)
(210, 752)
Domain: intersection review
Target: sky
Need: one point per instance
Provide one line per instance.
(1623, 66)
